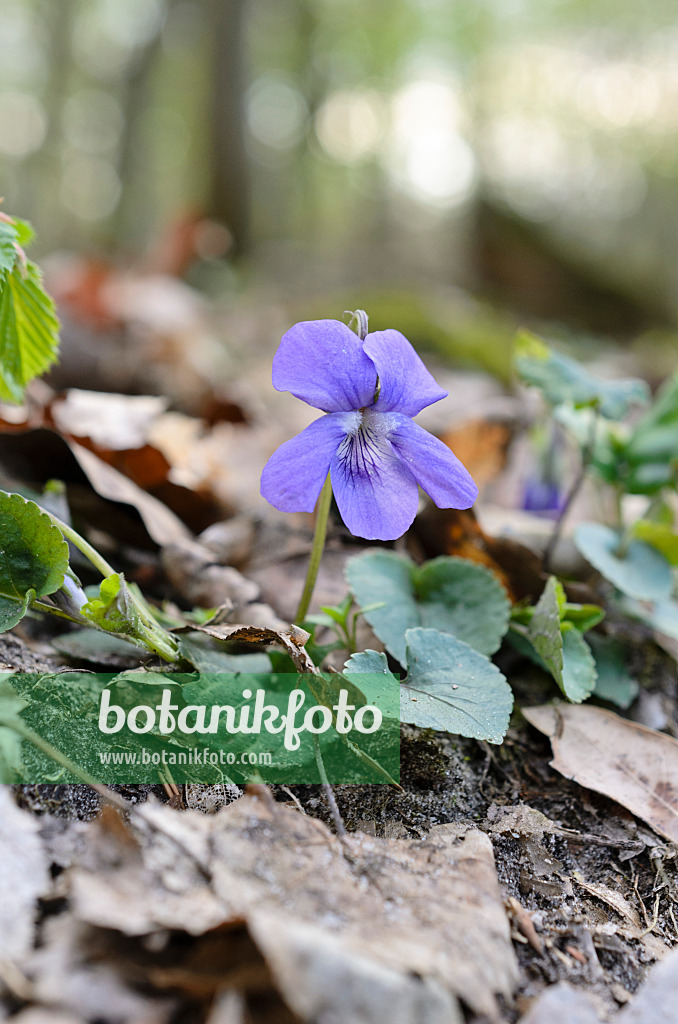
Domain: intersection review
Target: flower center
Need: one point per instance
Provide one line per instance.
(366, 442)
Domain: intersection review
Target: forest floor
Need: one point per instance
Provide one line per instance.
(585, 891)
(488, 888)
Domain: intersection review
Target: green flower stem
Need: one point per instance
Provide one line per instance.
(322, 513)
(97, 560)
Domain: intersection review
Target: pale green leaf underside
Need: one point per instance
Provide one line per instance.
(641, 572)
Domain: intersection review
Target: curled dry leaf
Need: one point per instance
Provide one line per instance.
(162, 525)
(292, 640)
(627, 762)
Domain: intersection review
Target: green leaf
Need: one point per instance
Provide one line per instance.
(114, 610)
(642, 572)
(382, 577)
(558, 644)
(562, 379)
(8, 244)
(579, 667)
(651, 454)
(29, 330)
(583, 616)
(373, 676)
(368, 661)
(11, 705)
(95, 648)
(614, 683)
(12, 612)
(660, 536)
(24, 231)
(450, 594)
(33, 552)
(206, 659)
(543, 630)
(662, 615)
(453, 688)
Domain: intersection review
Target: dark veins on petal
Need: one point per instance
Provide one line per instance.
(363, 452)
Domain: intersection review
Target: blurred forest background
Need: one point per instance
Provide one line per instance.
(526, 150)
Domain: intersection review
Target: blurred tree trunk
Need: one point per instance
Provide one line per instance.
(43, 169)
(136, 214)
(229, 201)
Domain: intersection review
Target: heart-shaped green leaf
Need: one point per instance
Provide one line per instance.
(579, 667)
(449, 594)
(662, 615)
(372, 676)
(33, 552)
(453, 688)
(614, 682)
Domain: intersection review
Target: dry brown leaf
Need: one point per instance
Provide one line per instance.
(162, 525)
(193, 571)
(481, 445)
(292, 640)
(452, 532)
(633, 927)
(614, 899)
(25, 871)
(110, 421)
(324, 979)
(420, 922)
(627, 762)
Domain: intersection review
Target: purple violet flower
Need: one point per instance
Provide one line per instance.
(370, 389)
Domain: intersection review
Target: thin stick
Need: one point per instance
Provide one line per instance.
(328, 791)
(586, 459)
(321, 516)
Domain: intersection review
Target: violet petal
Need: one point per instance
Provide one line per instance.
(436, 469)
(294, 475)
(322, 362)
(376, 494)
(406, 384)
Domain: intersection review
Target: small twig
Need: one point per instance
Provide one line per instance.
(297, 802)
(655, 917)
(328, 791)
(586, 459)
